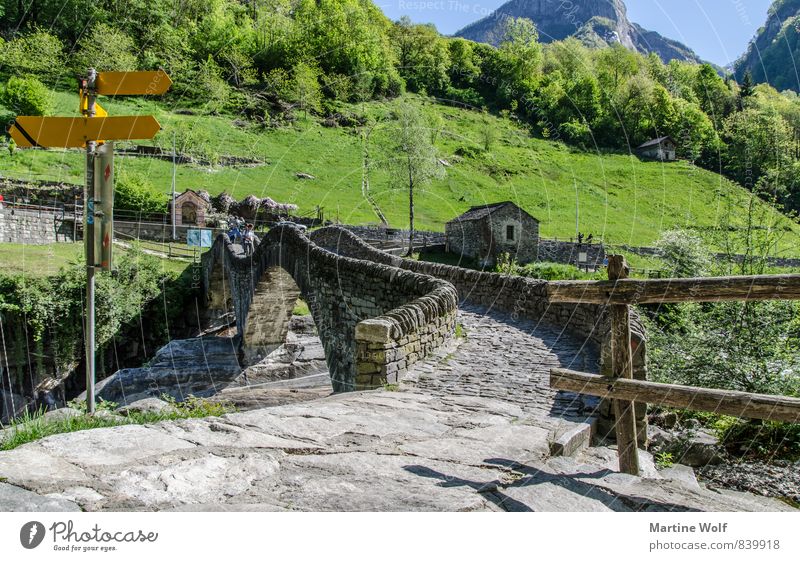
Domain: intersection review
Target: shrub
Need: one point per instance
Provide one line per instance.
(27, 96)
(38, 53)
(106, 49)
(684, 254)
(133, 191)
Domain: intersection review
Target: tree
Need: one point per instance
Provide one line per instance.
(305, 88)
(26, 96)
(615, 64)
(746, 89)
(211, 87)
(412, 159)
(423, 56)
(39, 53)
(106, 49)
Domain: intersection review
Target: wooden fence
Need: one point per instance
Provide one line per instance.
(620, 292)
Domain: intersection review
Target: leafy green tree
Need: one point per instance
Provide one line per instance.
(412, 161)
(755, 141)
(210, 86)
(615, 65)
(106, 49)
(39, 53)
(716, 99)
(422, 55)
(26, 96)
(305, 89)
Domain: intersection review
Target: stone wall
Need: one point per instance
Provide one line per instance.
(374, 320)
(422, 238)
(521, 297)
(557, 251)
(34, 227)
(154, 231)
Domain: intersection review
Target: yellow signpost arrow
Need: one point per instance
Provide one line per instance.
(75, 132)
(132, 83)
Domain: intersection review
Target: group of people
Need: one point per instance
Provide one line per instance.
(243, 233)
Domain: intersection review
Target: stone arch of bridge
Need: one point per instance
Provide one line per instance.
(373, 320)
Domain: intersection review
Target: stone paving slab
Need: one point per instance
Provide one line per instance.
(471, 432)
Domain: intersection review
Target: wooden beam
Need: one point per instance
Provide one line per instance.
(622, 368)
(663, 291)
(723, 402)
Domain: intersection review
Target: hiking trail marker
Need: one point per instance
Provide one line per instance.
(95, 131)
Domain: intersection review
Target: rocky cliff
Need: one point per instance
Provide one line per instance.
(595, 22)
(773, 52)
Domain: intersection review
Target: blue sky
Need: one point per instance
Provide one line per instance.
(718, 30)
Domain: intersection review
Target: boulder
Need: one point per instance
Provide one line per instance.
(691, 447)
(147, 405)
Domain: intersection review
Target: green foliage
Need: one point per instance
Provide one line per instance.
(506, 265)
(665, 460)
(32, 427)
(38, 53)
(26, 96)
(106, 48)
(684, 254)
(557, 271)
(134, 192)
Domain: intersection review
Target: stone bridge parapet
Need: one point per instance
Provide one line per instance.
(374, 320)
(519, 296)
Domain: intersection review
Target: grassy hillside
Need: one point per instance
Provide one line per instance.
(621, 199)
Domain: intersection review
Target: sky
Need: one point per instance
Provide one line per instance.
(717, 30)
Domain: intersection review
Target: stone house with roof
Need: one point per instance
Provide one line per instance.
(486, 231)
(663, 149)
(189, 209)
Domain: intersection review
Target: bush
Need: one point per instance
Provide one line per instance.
(38, 53)
(27, 96)
(684, 254)
(133, 191)
(106, 49)
(557, 271)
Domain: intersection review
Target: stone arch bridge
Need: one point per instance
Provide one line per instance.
(376, 314)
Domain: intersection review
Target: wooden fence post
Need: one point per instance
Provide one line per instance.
(622, 367)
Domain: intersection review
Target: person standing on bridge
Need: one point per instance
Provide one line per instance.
(249, 240)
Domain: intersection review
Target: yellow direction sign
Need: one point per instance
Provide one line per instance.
(132, 83)
(74, 132)
(98, 110)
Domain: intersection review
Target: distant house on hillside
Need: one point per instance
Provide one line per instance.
(189, 209)
(486, 231)
(662, 149)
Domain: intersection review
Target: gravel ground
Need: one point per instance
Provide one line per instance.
(779, 479)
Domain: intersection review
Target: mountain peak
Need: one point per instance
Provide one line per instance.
(595, 22)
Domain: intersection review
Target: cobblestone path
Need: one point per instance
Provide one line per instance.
(510, 360)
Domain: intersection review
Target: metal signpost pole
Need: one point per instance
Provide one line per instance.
(174, 165)
(89, 242)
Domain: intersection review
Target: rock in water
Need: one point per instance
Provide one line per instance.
(198, 367)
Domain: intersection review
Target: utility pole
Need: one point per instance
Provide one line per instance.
(577, 212)
(89, 241)
(174, 167)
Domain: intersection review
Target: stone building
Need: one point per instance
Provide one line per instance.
(662, 149)
(189, 209)
(486, 231)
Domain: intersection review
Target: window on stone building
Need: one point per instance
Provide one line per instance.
(510, 234)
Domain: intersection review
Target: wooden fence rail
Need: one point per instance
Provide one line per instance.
(619, 293)
(723, 402)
